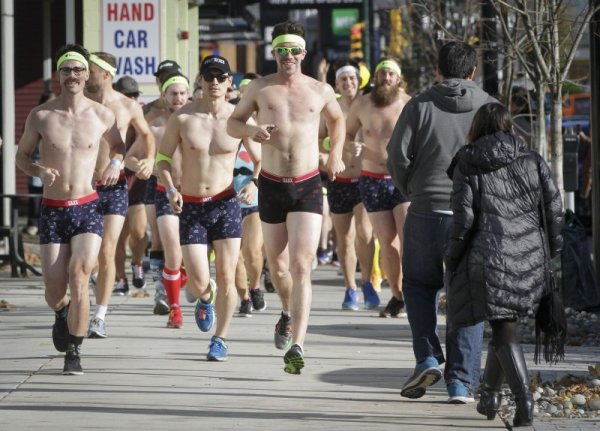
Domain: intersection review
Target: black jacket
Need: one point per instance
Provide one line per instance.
(496, 254)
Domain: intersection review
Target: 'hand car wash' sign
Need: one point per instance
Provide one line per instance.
(130, 31)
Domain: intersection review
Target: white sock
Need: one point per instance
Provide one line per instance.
(100, 311)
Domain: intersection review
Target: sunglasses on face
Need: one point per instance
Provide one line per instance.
(284, 50)
(76, 70)
(208, 77)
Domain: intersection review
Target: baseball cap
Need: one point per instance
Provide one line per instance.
(215, 62)
(167, 66)
(127, 85)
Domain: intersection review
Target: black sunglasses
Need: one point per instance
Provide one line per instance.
(76, 70)
(208, 77)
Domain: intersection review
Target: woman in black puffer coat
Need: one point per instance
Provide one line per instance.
(497, 256)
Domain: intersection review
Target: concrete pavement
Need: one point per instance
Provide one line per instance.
(146, 376)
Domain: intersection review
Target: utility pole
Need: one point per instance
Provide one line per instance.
(489, 37)
(595, 132)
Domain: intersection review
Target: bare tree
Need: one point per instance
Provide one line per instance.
(544, 36)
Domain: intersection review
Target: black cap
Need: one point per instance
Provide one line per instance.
(215, 62)
(127, 85)
(167, 66)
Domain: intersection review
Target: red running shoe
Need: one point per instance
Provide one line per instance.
(175, 317)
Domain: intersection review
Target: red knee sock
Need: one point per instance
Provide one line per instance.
(172, 283)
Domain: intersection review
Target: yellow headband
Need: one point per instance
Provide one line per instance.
(388, 64)
(244, 82)
(174, 80)
(103, 64)
(292, 38)
(71, 55)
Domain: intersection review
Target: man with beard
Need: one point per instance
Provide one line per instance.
(431, 129)
(69, 129)
(114, 199)
(353, 231)
(376, 113)
(289, 105)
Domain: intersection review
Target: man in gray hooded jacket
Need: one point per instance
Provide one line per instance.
(430, 130)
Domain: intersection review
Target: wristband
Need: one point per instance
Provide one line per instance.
(171, 190)
(115, 162)
(255, 181)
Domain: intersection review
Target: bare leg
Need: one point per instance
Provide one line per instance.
(106, 258)
(138, 241)
(384, 227)
(365, 242)
(345, 234)
(227, 252)
(303, 241)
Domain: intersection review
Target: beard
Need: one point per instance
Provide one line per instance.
(92, 88)
(384, 96)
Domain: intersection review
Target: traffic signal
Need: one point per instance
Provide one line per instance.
(356, 41)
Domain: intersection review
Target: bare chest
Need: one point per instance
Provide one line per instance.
(280, 103)
(203, 134)
(379, 123)
(64, 132)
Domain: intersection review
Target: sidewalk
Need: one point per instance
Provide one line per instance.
(145, 376)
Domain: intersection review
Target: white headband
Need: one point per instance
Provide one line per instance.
(344, 69)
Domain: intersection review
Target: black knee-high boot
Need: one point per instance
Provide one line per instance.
(493, 376)
(514, 366)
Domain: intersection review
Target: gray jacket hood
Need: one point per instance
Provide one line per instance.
(458, 95)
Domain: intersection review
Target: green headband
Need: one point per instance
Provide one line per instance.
(103, 64)
(388, 64)
(293, 38)
(244, 82)
(71, 55)
(174, 80)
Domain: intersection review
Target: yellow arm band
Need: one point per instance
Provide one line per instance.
(162, 157)
(71, 55)
(327, 144)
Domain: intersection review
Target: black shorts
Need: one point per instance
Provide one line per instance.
(150, 196)
(276, 198)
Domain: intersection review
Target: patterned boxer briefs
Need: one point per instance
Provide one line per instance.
(60, 221)
(114, 200)
(379, 194)
(215, 219)
(343, 195)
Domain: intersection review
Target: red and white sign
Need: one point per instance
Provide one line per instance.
(131, 32)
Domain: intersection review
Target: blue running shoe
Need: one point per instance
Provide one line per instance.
(205, 312)
(350, 300)
(217, 350)
(426, 374)
(371, 297)
(458, 393)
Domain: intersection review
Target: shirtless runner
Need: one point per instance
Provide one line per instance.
(114, 199)
(207, 204)
(376, 113)
(69, 129)
(353, 230)
(289, 105)
(174, 94)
